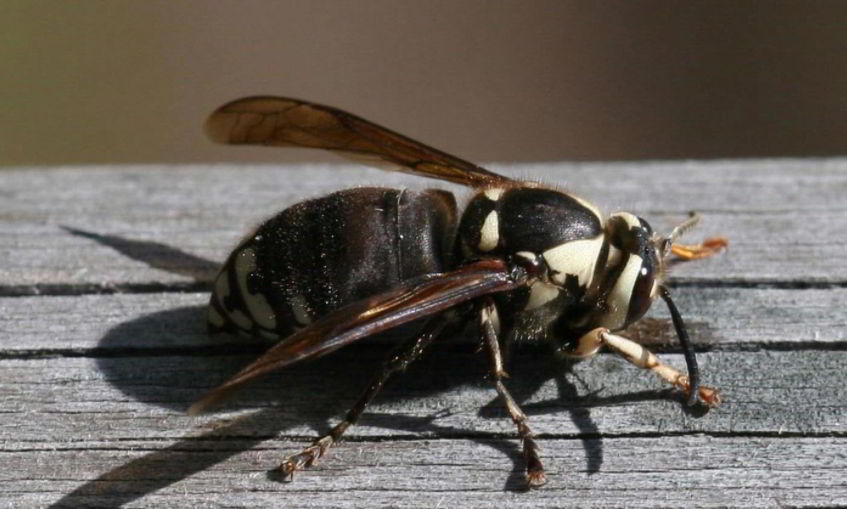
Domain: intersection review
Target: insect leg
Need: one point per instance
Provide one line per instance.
(534, 469)
(399, 360)
(644, 358)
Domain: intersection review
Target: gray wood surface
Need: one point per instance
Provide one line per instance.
(102, 348)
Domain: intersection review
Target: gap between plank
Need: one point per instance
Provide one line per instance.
(67, 289)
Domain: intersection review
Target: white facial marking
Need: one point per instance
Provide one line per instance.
(615, 256)
(257, 305)
(493, 193)
(214, 318)
(298, 307)
(540, 294)
(619, 296)
(577, 257)
(489, 236)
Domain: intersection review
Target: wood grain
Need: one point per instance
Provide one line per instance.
(103, 347)
(170, 225)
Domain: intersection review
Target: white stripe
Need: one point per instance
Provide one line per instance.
(493, 193)
(241, 320)
(577, 257)
(540, 294)
(298, 307)
(256, 303)
(214, 318)
(489, 235)
(222, 292)
(222, 287)
(621, 294)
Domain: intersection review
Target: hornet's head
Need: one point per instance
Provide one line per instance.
(636, 261)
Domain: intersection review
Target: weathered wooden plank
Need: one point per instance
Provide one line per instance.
(168, 225)
(718, 318)
(444, 394)
(690, 471)
(94, 387)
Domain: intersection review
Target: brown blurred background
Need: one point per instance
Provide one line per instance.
(132, 81)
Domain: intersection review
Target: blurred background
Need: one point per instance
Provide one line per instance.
(119, 81)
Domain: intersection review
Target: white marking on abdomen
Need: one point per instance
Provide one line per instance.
(222, 287)
(298, 307)
(214, 318)
(489, 235)
(222, 292)
(256, 304)
(577, 257)
(268, 334)
(240, 319)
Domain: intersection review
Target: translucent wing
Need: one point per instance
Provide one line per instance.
(288, 122)
(416, 299)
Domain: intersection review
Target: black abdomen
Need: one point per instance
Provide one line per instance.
(321, 254)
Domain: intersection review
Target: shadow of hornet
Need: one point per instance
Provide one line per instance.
(316, 393)
(156, 255)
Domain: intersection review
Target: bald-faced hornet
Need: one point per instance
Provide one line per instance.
(524, 260)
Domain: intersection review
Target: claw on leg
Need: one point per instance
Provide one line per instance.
(536, 478)
(708, 395)
(307, 457)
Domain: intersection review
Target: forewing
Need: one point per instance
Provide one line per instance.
(288, 122)
(413, 300)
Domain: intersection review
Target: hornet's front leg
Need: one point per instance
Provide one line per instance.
(398, 361)
(534, 469)
(645, 359)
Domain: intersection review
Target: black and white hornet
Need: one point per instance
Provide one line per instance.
(525, 261)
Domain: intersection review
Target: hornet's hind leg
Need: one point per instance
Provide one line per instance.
(398, 361)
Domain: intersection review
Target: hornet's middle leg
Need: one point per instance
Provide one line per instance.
(534, 469)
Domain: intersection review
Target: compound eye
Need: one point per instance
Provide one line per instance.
(642, 289)
(645, 226)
